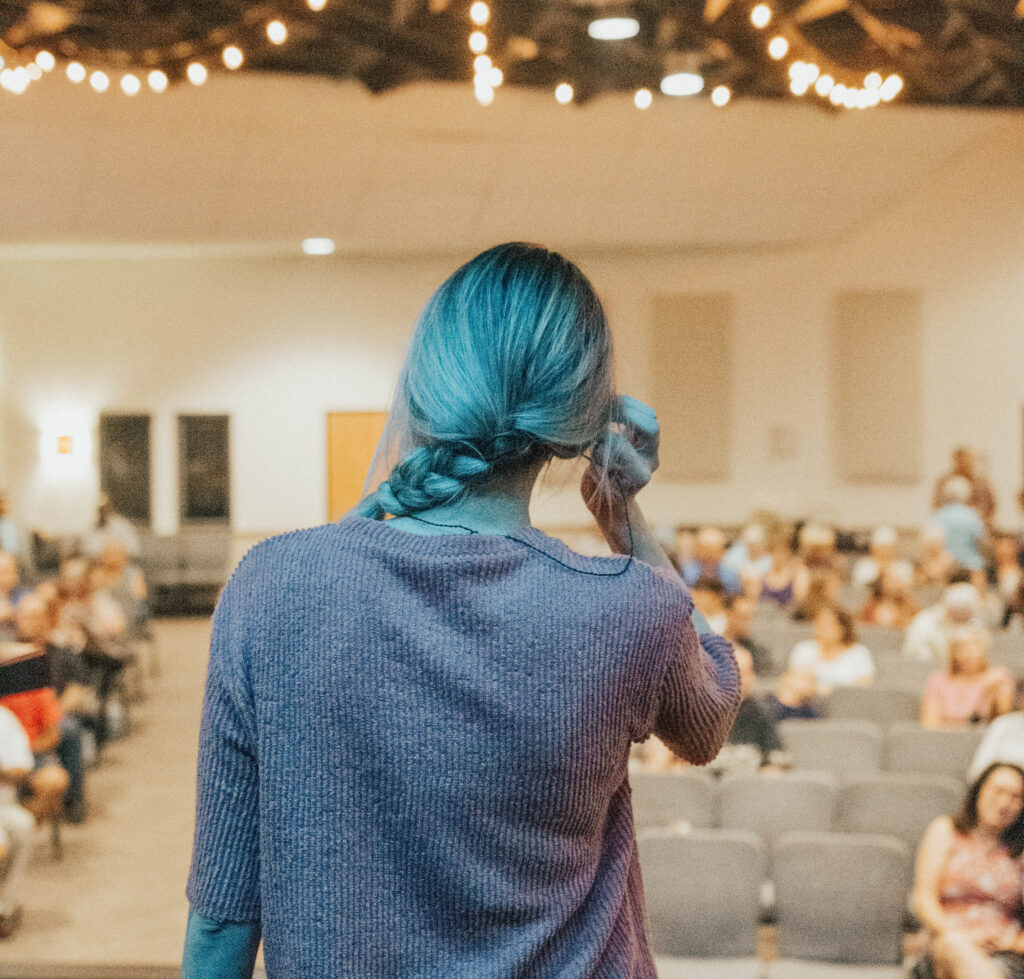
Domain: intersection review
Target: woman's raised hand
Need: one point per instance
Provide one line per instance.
(623, 461)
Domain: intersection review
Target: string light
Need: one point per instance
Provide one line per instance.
(277, 32)
(824, 85)
(890, 88)
(778, 47)
(564, 93)
(196, 73)
(874, 80)
(130, 85)
(482, 64)
(643, 98)
(484, 93)
(157, 80)
(317, 4)
(761, 15)
(720, 95)
(837, 93)
(480, 13)
(232, 57)
(75, 72)
(46, 61)
(34, 71)
(100, 81)
(478, 42)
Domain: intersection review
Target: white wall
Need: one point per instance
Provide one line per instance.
(279, 342)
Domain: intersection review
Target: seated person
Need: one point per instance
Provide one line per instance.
(963, 529)
(833, 656)
(882, 554)
(936, 564)
(777, 583)
(707, 561)
(17, 825)
(969, 690)
(753, 741)
(1004, 738)
(42, 794)
(709, 597)
(793, 698)
(1007, 575)
(817, 589)
(967, 884)
(739, 613)
(927, 637)
(890, 603)
(11, 593)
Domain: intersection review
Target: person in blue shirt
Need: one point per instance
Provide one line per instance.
(963, 529)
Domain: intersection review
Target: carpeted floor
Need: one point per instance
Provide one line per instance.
(117, 897)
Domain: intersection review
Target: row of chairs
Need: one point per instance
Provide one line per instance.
(840, 902)
(848, 748)
(770, 805)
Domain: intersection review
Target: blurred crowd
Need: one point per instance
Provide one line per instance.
(70, 647)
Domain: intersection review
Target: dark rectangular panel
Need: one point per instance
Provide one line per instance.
(879, 425)
(691, 384)
(204, 469)
(125, 464)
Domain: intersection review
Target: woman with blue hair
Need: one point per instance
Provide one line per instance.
(417, 720)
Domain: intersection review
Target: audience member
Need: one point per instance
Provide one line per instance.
(890, 603)
(777, 583)
(818, 590)
(707, 561)
(1004, 738)
(753, 742)
(967, 885)
(709, 598)
(10, 538)
(968, 690)
(1007, 574)
(833, 656)
(936, 564)
(739, 614)
(927, 637)
(111, 526)
(11, 591)
(870, 568)
(749, 557)
(979, 493)
(17, 824)
(963, 530)
(793, 697)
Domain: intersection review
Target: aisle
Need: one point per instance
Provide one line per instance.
(118, 895)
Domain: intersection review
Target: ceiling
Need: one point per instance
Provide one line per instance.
(947, 52)
(256, 163)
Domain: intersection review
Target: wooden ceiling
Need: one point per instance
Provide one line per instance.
(947, 52)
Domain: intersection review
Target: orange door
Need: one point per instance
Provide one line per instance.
(352, 438)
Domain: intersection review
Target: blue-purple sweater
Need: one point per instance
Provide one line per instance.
(413, 753)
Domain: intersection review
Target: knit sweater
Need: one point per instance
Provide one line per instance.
(413, 751)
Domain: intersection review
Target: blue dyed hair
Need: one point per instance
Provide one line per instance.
(510, 363)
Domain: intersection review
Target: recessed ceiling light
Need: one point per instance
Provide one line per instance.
(613, 28)
(318, 246)
(682, 83)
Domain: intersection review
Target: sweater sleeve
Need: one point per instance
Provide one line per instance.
(219, 949)
(223, 882)
(699, 697)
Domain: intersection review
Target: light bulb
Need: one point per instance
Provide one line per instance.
(99, 81)
(479, 13)
(643, 98)
(760, 15)
(891, 87)
(196, 73)
(130, 85)
(277, 32)
(720, 95)
(484, 94)
(613, 28)
(564, 93)
(874, 80)
(157, 80)
(478, 42)
(45, 60)
(824, 85)
(76, 72)
(34, 71)
(482, 63)
(232, 57)
(777, 47)
(317, 4)
(837, 93)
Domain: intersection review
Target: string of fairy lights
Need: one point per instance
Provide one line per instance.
(830, 82)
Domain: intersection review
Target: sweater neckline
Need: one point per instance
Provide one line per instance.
(378, 533)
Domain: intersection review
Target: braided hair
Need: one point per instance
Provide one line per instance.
(510, 364)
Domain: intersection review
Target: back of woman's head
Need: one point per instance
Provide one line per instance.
(510, 364)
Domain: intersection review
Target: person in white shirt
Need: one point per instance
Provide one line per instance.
(17, 824)
(927, 637)
(833, 656)
(1003, 740)
(883, 553)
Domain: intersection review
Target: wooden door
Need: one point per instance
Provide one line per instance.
(352, 438)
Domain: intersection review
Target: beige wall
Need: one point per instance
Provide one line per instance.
(279, 342)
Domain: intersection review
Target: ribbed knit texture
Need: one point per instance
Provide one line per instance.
(413, 753)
